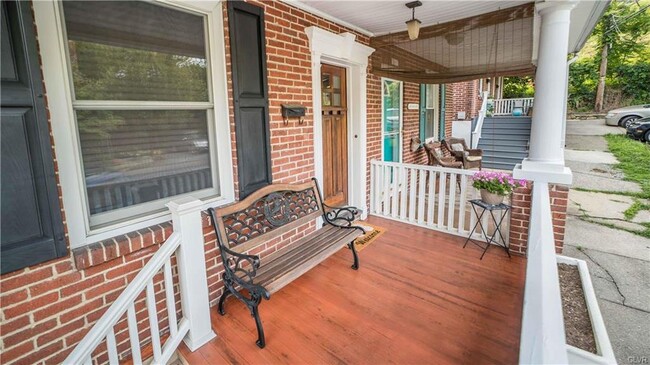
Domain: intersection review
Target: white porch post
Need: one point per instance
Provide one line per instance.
(542, 331)
(545, 160)
(186, 218)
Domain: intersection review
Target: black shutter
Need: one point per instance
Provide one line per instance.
(250, 94)
(31, 226)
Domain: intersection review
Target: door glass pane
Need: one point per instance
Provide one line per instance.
(392, 106)
(133, 157)
(391, 147)
(132, 50)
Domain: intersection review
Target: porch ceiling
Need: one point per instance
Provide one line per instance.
(382, 17)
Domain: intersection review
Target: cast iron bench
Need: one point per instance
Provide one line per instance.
(267, 214)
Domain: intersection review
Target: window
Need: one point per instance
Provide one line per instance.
(429, 112)
(142, 104)
(391, 120)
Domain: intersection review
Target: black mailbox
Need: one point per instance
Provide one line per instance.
(293, 111)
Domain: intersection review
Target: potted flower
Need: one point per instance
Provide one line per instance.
(494, 186)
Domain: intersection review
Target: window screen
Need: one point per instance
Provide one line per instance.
(142, 105)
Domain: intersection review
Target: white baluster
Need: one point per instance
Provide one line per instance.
(462, 205)
(169, 296)
(133, 335)
(111, 347)
(431, 202)
(442, 186)
(452, 201)
(421, 198)
(412, 189)
(153, 322)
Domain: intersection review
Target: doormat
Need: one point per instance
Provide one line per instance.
(372, 233)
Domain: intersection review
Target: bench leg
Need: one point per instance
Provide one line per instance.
(222, 300)
(261, 341)
(355, 266)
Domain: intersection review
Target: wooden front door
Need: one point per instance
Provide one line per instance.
(335, 135)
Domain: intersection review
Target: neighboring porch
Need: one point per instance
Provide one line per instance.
(418, 296)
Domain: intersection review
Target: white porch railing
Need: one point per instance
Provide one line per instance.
(476, 133)
(505, 106)
(194, 325)
(427, 196)
(542, 330)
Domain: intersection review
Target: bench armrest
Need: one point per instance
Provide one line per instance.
(244, 275)
(342, 217)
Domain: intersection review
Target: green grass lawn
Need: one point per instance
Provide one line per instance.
(634, 160)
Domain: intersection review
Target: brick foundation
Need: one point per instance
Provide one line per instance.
(520, 218)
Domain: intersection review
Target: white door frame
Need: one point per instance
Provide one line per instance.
(342, 50)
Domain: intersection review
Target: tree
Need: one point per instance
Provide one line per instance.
(617, 37)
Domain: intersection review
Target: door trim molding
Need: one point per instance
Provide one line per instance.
(342, 50)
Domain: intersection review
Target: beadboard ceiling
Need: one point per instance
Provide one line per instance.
(382, 17)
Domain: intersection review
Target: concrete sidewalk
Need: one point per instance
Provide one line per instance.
(619, 261)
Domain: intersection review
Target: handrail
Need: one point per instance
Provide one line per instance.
(104, 326)
(505, 106)
(187, 243)
(476, 133)
(542, 330)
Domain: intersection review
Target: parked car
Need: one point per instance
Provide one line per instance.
(639, 129)
(623, 116)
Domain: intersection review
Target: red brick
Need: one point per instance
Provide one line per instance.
(11, 354)
(7, 327)
(81, 285)
(54, 284)
(59, 332)
(26, 279)
(81, 311)
(30, 305)
(106, 287)
(28, 333)
(41, 353)
(13, 298)
(57, 307)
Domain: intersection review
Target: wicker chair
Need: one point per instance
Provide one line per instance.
(470, 158)
(436, 156)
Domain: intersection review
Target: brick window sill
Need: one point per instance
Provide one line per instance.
(101, 252)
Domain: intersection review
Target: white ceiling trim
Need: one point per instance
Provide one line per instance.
(302, 6)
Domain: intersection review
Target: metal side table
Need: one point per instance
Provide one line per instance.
(478, 203)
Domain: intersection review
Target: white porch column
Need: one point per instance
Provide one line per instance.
(545, 160)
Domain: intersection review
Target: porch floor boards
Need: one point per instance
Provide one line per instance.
(418, 297)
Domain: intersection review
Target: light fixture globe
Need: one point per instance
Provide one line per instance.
(413, 27)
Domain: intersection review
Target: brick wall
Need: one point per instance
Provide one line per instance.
(461, 96)
(520, 217)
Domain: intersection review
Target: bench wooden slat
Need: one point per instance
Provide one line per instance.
(275, 282)
(288, 260)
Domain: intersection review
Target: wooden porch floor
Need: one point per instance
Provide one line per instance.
(419, 297)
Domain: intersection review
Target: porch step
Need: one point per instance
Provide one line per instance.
(504, 141)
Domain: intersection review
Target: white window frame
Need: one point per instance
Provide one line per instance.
(401, 118)
(436, 108)
(58, 83)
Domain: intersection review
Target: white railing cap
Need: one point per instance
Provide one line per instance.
(185, 204)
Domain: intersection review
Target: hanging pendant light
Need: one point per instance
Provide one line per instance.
(413, 25)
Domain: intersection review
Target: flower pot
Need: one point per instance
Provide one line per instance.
(491, 198)
(605, 353)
